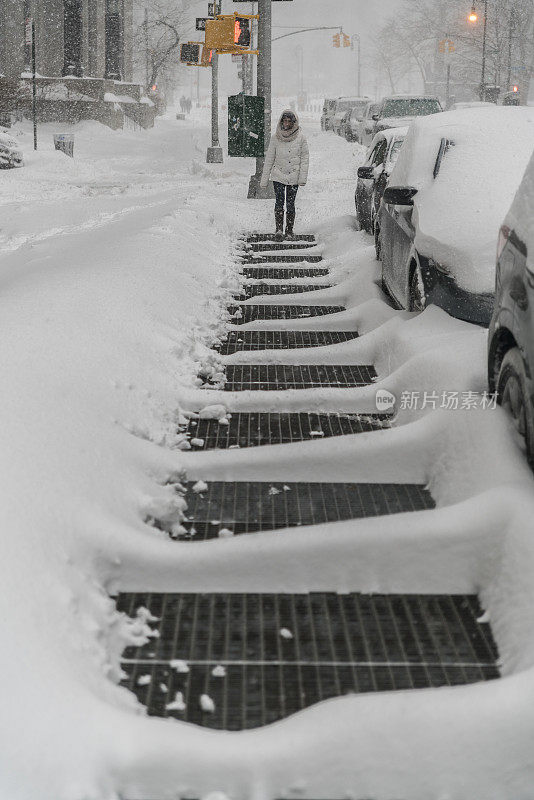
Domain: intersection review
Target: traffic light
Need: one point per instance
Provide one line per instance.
(515, 89)
(346, 40)
(206, 58)
(337, 40)
(230, 33)
(243, 32)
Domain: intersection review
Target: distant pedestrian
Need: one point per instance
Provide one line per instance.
(287, 162)
(183, 102)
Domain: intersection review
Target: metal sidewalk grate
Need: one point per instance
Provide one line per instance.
(273, 247)
(256, 289)
(279, 273)
(270, 377)
(269, 312)
(243, 341)
(248, 507)
(269, 237)
(243, 661)
(251, 430)
(302, 259)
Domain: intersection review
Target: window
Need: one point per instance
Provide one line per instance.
(380, 153)
(395, 150)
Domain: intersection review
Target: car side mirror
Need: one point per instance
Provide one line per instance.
(399, 195)
(366, 173)
(376, 117)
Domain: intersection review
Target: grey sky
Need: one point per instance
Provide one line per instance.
(326, 70)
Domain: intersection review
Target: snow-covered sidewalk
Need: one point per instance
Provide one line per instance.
(115, 272)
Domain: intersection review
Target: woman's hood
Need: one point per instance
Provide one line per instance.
(293, 131)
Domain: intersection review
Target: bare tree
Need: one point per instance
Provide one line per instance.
(162, 26)
(438, 40)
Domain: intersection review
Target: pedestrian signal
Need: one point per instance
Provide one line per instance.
(346, 40)
(243, 32)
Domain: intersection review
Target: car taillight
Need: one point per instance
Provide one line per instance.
(504, 235)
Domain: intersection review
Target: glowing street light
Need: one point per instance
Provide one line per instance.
(473, 18)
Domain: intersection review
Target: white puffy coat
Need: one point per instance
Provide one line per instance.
(287, 162)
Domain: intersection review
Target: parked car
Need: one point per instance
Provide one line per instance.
(10, 152)
(511, 333)
(374, 174)
(343, 104)
(328, 112)
(454, 179)
(400, 110)
(354, 119)
(344, 123)
(364, 132)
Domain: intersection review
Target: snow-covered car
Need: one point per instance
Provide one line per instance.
(364, 131)
(449, 191)
(400, 110)
(343, 104)
(470, 104)
(511, 333)
(329, 108)
(354, 120)
(374, 174)
(10, 152)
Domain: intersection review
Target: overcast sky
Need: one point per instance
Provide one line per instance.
(327, 71)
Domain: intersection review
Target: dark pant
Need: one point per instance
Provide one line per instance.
(285, 194)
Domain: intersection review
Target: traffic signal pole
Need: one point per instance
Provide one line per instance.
(215, 153)
(264, 90)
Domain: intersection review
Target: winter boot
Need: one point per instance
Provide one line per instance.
(279, 217)
(290, 221)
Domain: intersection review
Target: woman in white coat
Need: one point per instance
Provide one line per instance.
(286, 163)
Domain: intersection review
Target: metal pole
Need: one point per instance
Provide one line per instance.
(34, 88)
(147, 49)
(264, 90)
(483, 79)
(215, 153)
(359, 67)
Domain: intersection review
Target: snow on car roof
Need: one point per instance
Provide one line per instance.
(389, 134)
(458, 215)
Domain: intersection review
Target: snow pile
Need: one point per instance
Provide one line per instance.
(458, 215)
(114, 272)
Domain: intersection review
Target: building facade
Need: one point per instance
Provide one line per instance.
(81, 38)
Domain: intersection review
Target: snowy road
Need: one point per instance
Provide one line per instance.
(116, 269)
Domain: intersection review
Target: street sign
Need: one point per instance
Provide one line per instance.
(237, 59)
(190, 53)
(214, 8)
(201, 23)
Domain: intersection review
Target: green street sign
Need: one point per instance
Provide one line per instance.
(246, 126)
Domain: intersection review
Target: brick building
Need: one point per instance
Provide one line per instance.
(84, 51)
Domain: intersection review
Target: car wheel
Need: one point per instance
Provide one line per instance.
(513, 395)
(417, 296)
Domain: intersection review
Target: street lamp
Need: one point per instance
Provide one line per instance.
(356, 36)
(473, 17)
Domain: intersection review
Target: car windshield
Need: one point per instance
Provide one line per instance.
(358, 109)
(411, 107)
